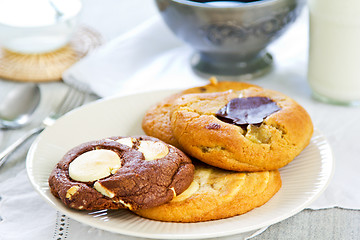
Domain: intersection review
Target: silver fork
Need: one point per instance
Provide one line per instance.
(72, 99)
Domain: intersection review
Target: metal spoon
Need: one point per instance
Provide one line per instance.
(18, 106)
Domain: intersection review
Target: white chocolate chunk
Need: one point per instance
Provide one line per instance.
(204, 175)
(126, 204)
(126, 141)
(94, 165)
(173, 190)
(194, 186)
(153, 150)
(71, 191)
(103, 190)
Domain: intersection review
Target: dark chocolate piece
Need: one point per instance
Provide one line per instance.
(213, 126)
(245, 111)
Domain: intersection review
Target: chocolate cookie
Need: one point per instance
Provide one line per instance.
(121, 172)
(217, 194)
(156, 121)
(249, 130)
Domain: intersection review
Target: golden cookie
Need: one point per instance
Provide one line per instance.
(249, 130)
(217, 194)
(156, 121)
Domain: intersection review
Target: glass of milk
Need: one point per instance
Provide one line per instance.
(37, 26)
(334, 51)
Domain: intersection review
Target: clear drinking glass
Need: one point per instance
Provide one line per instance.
(37, 26)
(334, 51)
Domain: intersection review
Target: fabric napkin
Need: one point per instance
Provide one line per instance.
(110, 69)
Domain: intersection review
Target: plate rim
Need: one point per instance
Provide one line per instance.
(33, 148)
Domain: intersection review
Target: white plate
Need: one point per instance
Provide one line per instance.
(304, 179)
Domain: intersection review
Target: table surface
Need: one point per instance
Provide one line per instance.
(333, 223)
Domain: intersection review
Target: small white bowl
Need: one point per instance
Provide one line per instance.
(37, 26)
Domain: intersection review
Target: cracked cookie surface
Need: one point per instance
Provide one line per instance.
(255, 147)
(156, 121)
(217, 194)
(121, 172)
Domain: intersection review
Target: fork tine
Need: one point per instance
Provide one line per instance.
(72, 99)
(64, 102)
